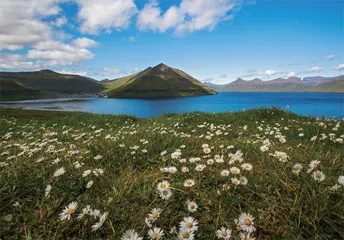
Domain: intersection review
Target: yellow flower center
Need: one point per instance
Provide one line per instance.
(155, 215)
(155, 235)
(247, 222)
(224, 233)
(189, 224)
(69, 210)
(186, 234)
(163, 185)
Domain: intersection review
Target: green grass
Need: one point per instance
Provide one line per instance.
(284, 205)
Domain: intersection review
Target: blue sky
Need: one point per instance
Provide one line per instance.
(214, 40)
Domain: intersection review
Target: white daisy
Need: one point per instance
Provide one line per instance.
(234, 170)
(59, 172)
(155, 214)
(67, 212)
(186, 234)
(163, 185)
(189, 183)
(131, 235)
(246, 236)
(224, 173)
(246, 166)
(165, 194)
(318, 176)
(89, 184)
(341, 180)
(156, 233)
(192, 206)
(47, 190)
(100, 223)
(246, 222)
(189, 222)
(224, 233)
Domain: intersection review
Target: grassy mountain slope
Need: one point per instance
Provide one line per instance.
(160, 81)
(334, 86)
(50, 81)
(10, 90)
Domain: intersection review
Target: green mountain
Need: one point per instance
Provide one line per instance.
(50, 81)
(159, 81)
(10, 90)
(311, 84)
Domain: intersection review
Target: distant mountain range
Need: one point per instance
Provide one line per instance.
(158, 81)
(292, 84)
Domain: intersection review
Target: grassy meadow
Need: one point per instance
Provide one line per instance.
(246, 175)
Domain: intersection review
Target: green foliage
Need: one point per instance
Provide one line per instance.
(285, 205)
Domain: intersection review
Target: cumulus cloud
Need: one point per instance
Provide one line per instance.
(291, 74)
(315, 69)
(330, 57)
(16, 61)
(85, 43)
(110, 71)
(59, 22)
(189, 16)
(22, 22)
(98, 15)
(339, 67)
(71, 72)
(270, 72)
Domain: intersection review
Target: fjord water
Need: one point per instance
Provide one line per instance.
(310, 104)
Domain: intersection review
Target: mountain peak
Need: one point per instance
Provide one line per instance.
(161, 68)
(47, 71)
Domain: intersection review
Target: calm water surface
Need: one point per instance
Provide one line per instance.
(310, 104)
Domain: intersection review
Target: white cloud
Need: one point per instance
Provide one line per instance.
(59, 22)
(22, 22)
(131, 39)
(330, 57)
(97, 15)
(71, 72)
(85, 43)
(339, 67)
(291, 74)
(189, 16)
(16, 61)
(270, 72)
(110, 71)
(315, 69)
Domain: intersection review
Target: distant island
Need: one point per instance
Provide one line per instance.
(291, 84)
(157, 82)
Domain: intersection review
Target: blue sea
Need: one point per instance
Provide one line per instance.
(329, 105)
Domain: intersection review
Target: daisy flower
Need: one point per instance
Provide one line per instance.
(225, 173)
(200, 167)
(47, 190)
(224, 233)
(100, 223)
(264, 148)
(243, 180)
(234, 170)
(86, 210)
(186, 234)
(246, 166)
(165, 194)
(297, 168)
(246, 236)
(155, 214)
(210, 161)
(312, 165)
(131, 235)
(185, 169)
(89, 184)
(189, 222)
(246, 222)
(189, 183)
(163, 185)
(67, 212)
(318, 176)
(86, 173)
(235, 181)
(341, 180)
(192, 206)
(156, 233)
(59, 172)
